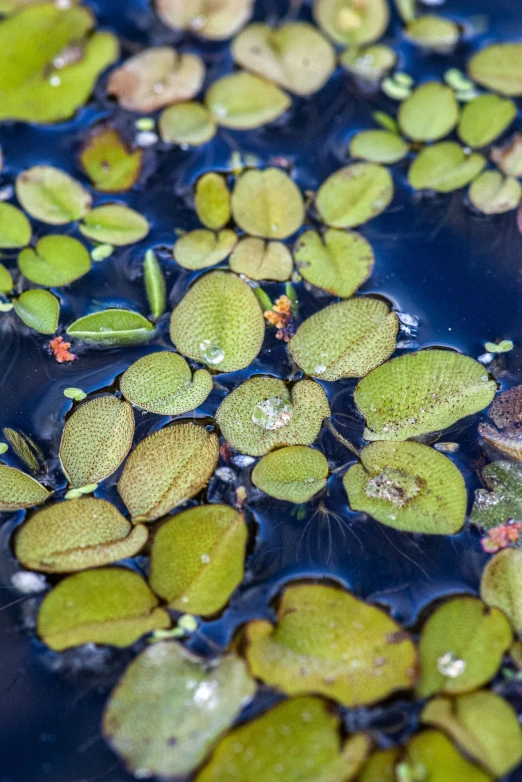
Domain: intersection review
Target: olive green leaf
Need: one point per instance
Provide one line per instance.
(461, 646)
(39, 310)
(337, 261)
(346, 339)
(55, 261)
(378, 146)
(509, 157)
(381, 766)
(494, 194)
(6, 281)
(197, 558)
(307, 746)
(263, 413)
(104, 606)
(431, 755)
(354, 194)
(114, 224)
(25, 448)
(219, 321)
(430, 113)
(216, 21)
(294, 473)
(51, 195)
(484, 119)
(350, 21)
(112, 327)
(167, 468)
(155, 286)
(202, 248)
(15, 228)
(328, 642)
(421, 392)
(433, 32)
(76, 535)
(243, 101)
(295, 55)
(169, 708)
(267, 204)
(501, 585)
(261, 260)
(408, 486)
(49, 62)
(444, 167)
(74, 393)
(371, 63)
(18, 490)
(189, 123)
(156, 77)
(212, 200)
(108, 161)
(96, 439)
(163, 383)
(483, 724)
(498, 67)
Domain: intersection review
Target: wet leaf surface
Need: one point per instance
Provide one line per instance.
(212, 201)
(354, 194)
(167, 468)
(293, 474)
(336, 261)
(198, 558)
(370, 63)
(444, 167)
(170, 708)
(435, 757)
(114, 224)
(493, 194)
(18, 490)
(351, 22)
(164, 383)
(484, 119)
(502, 499)
(261, 260)
(498, 67)
(422, 392)
(55, 261)
(155, 285)
(378, 146)
(267, 204)
(243, 100)
(112, 327)
(216, 21)
(108, 161)
(187, 123)
(39, 310)
(15, 228)
(104, 606)
(201, 248)
(51, 195)
(501, 585)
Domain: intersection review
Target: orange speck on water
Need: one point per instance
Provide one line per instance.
(60, 350)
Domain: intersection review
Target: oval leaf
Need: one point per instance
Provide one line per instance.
(112, 327)
(39, 310)
(378, 146)
(261, 260)
(350, 22)
(484, 119)
(155, 285)
(51, 195)
(430, 113)
(187, 123)
(243, 101)
(294, 474)
(55, 261)
(493, 194)
(202, 248)
(354, 195)
(212, 200)
(337, 261)
(114, 224)
(15, 228)
(498, 67)
(216, 21)
(267, 204)
(18, 490)
(433, 32)
(434, 755)
(108, 161)
(501, 585)
(6, 281)
(444, 167)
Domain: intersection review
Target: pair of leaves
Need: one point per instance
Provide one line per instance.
(202, 248)
(262, 260)
(491, 193)
(354, 194)
(503, 501)
(55, 261)
(444, 167)
(501, 585)
(108, 162)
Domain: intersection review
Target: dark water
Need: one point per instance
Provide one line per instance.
(460, 273)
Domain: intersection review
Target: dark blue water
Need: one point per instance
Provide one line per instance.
(460, 273)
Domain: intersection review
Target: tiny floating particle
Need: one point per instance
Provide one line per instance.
(60, 350)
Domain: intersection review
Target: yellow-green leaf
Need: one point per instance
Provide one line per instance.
(494, 194)
(108, 161)
(6, 281)
(39, 310)
(267, 204)
(215, 21)
(18, 490)
(433, 32)
(378, 146)
(262, 260)
(381, 766)
(354, 194)
(351, 22)
(501, 585)
(55, 261)
(51, 195)
(243, 101)
(202, 248)
(433, 755)
(294, 473)
(444, 167)
(15, 228)
(484, 119)
(337, 261)
(189, 123)
(112, 327)
(430, 113)
(212, 200)
(498, 67)
(114, 224)
(155, 285)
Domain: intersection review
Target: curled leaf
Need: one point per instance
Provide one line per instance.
(155, 286)
(55, 261)
(498, 67)
(337, 261)
(430, 113)
(294, 474)
(18, 490)
(202, 248)
(216, 21)
(112, 327)
(114, 224)
(212, 201)
(444, 167)
(354, 194)
(51, 195)
(187, 123)
(108, 161)
(483, 119)
(351, 22)
(262, 260)
(494, 194)
(15, 228)
(378, 146)
(267, 204)
(39, 310)
(244, 101)
(501, 585)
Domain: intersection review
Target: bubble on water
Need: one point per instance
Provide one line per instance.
(212, 353)
(272, 413)
(450, 665)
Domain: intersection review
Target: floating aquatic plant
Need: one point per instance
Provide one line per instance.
(351, 22)
(337, 261)
(432, 755)
(51, 195)
(433, 32)
(262, 260)
(114, 224)
(189, 123)
(493, 194)
(500, 586)
(430, 113)
(243, 100)
(18, 490)
(212, 201)
(215, 21)
(108, 162)
(155, 285)
(498, 67)
(202, 248)
(15, 228)
(378, 146)
(55, 261)
(267, 204)
(39, 310)
(501, 501)
(6, 280)
(294, 473)
(484, 119)
(112, 327)
(354, 194)
(369, 63)
(444, 167)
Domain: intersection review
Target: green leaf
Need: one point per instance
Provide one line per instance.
(39, 310)
(170, 707)
(437, 760)
(25, 448)
(76, 535)
(494, 194)
(96, 439)
(346, 339)
(104, 606)
(18, 490)
(461, 646)
(243, 101)
(483, 724)
(163, 383)
(371, 63)
(509, 157)
(187, 123)
(263, 413)
(112, 327)
(114, 224)
(422, 392)
(212, 201)
(213, 21)
(336, 261)
(307, 745)
(433, 32)
(166, 469)
(295, 55)
(219, 321)
(328, 642)
(51, 195)
(501, 585)
(408, 486)
(55, 261)
(108, 161)
(6, 281)
(49, 62)
(350, 22)
(354, 194)
(430, 113)
(261, 260)
(293, 474)
(155, 285)
(15, 228)
(381, 766)
(484, 119)
(74, 393)
(378, 146)
(444, 167)
(156, 77)
(267, 204)
(498, 67)
(202, 248)
(197, 558)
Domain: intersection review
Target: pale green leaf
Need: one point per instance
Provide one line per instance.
(433, 32)
(114, 224)
(108, 161)
(430, 113)
(378, 146)
(350, 21)
(498, 67)
(215, 21)
(201, 248)
(155, 285)
(370, 63)
(267, 204)
(484, 119)
(6, 281)
(39, 310)
(51, 195)
(243, 100)
(112, 327)
(494, 194)
(212, 200)
(55, 261)
(437, 759)
(337, 261)
(261, 260)
(187, 123)
(293, 474)
(18, 490)
(354, 194)
(15, 228)
(501, 585)
(444, 167)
